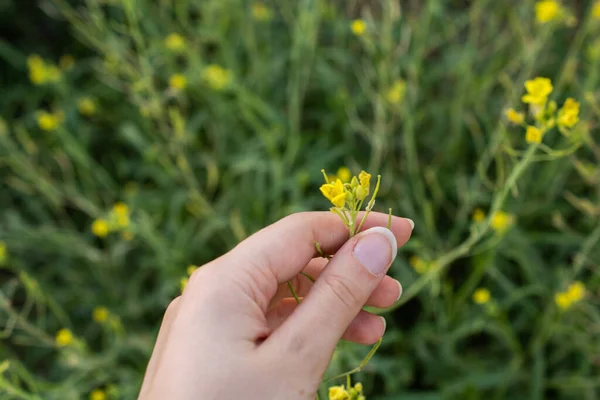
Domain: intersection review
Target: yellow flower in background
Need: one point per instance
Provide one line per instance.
(100, 228)
(515, 117)
(396, 93)
(100, 314)
(533, 135)
(338, 393)
(596, 10)
(121, 208)
(358, 27)
(562, 300)
(568, 115)
(177, 82)
(2, 252)
(261, 12)
(120, 213)
(183, 283)
(87, 106)
(576, 291)
(478, 215)
(344, 174)
(547, 11)
(50, 121)
(538, 90)
(501, 221)
(66, 61)
(335, 193)
(481, 296)
(191, 269)
(64, 337)
(217, 77)
(418, 264)
(41, 72)
(98, 394)
(175, 42)
(358, 387)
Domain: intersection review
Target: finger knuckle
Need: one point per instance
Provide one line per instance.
(342, 290)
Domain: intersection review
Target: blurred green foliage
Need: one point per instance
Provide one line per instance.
(274, 92)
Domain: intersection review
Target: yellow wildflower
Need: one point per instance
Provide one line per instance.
(419, 265)
(358, 387)
(478, 215)
(576, 291)
(64, 337)
(501, 221)
(49, 121)
(217, 77)
(98, 394)
(596, 10)
(177, 82)
(100, 228)
(396, 93)
(35, 61)
(66, 61)
(121, 208)
(562, 300)
(365, 180)
(538, 90)
(568, 115)
(261, 12)
(100, 314)
(358, 27)
(344, 174)
(547, 10)
(2, 252)
(87, 106)
(335, 193)
(37, 75)
(481, 296)
(338, 393)
(175, 42)
(515, 117)
(533, 135)
(183, 283)
(191, 269)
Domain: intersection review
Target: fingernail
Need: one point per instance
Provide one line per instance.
(411, 222)
(384, 323)
(400, 290)
(376, 249)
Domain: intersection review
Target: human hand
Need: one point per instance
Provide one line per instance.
(236, 333)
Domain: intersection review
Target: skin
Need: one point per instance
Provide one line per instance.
(235, 332)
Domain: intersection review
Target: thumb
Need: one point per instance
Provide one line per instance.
(339, 293)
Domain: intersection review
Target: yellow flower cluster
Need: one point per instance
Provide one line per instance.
(118, 221)
(177, 82)
(358, 27)
(261, 12)
(64, 338)
(3, 252)
(343, 174)
(100, 314)
(421, 266)
(185, 280)
(175, 42)
(341, 393)
(50, 121)
(574, 294)
(481, 296)
(98, 394)
(544, 111)
(340, 193)
(500, 221)
(548, 11)
(42, 72)
(216, 77)
(87, 106)
(396, 93)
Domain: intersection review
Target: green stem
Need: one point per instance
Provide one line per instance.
(293, 292)
(363, 363)
(369, 206)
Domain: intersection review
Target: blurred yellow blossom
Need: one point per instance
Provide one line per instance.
(596, 10)
(100, 228)
(175, 42)
(501, 221)
(358, 387)
(418, 264)
(515, 117)
(66, 61)
(568, 115)
(562, 300)
(481, 296)
(478, 215)
(2, 252)
(338, 393)
(41, 72)
(100, 314)
(576, 291)
(533, 135)
(98, 394)
(358, 27)
(217, 77)
(64, 337)
(120, 213)
(191, 269)
(121, 208)
(334, 192)
(177, 82)
(574, 294)
(396, 93)
(538, 90)
(261, 12)
(183, 283)
(547, 11)
(50, 121)
(344, 174)
(87, 106)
